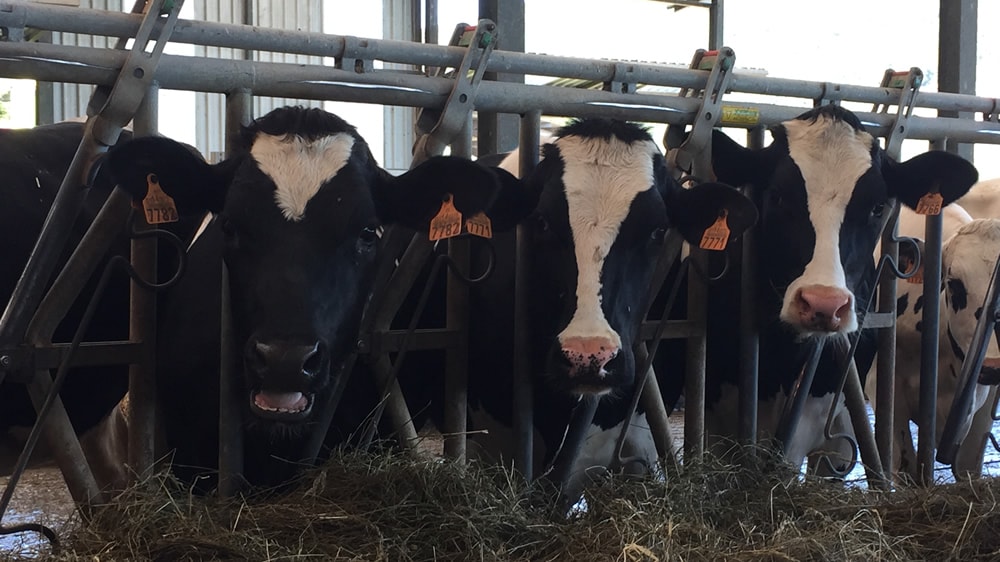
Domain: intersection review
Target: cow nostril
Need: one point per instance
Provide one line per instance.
(256, 355)
(312, 361)
(843, 311)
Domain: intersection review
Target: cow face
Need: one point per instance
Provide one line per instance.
(967, 262)
(605, 203)
(824, 184)
(300, 204)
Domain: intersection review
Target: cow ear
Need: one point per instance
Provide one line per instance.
(182, 173)
(415, 197)
(692, 211)
(931, 172)
(737, 165)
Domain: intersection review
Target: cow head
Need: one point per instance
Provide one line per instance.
(967, 262)
(605, 202)
(823, 186)
(300, 203)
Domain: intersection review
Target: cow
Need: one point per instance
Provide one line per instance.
(297, 209)
(605, 203)
(983, 199)
(968, 257)
(34, 161)
(822, 187)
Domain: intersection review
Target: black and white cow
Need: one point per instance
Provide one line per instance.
(968, 256)
(821, 186)
(34, 162)
(605, 201)
(298, 206)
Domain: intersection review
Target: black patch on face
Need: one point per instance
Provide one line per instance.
(918, 305)
(979, 312)
(959, 295)
(901, 304)
(920, 325)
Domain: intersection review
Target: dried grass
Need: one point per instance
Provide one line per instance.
(391, 507)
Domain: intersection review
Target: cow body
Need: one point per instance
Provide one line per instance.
(34, 163)
(605, 202)
(297, 209)
(968, 258)
(821, 187)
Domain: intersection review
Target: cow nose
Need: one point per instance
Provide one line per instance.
(282, 358)
(822, 307)
(588, 354)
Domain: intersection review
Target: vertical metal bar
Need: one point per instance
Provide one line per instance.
(885, 367)
(231, 397)
(749, 336)
(797, 398)
(523, 402)
(854, 397)
(694, 382)
(457, 318)
(239, 104)
(715, 24)
(142, 325)
(929, 350)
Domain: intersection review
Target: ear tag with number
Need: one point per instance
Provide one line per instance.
(917, 278)
(716, 236)
(447, 223)
(159, 206)
(930, 204)
(479, 225)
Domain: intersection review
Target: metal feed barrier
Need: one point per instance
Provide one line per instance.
(354, 78)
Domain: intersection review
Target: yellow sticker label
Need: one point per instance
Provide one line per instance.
(447, 223)
(158, 206)
(739, 115)
(479, 225)
(716, 236)
(930, 204)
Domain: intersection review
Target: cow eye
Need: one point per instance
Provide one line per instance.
(878, 209)
(658, 234)
(369, 234)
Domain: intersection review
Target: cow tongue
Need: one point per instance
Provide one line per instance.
(290, 401)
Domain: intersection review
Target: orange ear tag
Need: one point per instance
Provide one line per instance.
(479, 225)
(930, 204)
(918, 277)
(159, 206)
(447, 223)
(716, 236)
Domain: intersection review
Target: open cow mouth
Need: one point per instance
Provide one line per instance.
(281, 406)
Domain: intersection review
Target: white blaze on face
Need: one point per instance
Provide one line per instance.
(601, 178)
(831, 156)
(299, 167)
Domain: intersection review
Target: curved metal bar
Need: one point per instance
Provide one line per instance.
(47, 532)
(175, 241)
(441, 260)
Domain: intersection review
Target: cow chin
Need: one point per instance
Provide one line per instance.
(597, 381)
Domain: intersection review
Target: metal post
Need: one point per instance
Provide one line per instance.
(231, 400)
(523, 402)
(694, 381)
(142, 325)
(927, 436)
(749, 335)
(885, 367)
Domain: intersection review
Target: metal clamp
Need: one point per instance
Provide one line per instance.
(622, 81)
(907, 83)
(831, 94)
(13, 30)
(460, 104)
(354, 58)
(687, 153)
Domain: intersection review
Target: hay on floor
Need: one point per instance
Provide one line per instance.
(394, 508)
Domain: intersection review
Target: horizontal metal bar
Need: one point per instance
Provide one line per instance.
(880, 320)
(89, 354)
(674, 329)
(114, 24)
(428, 338)
(57, 63)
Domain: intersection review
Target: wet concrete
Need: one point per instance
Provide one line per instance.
(40, 497)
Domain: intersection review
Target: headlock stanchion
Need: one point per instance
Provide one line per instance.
(29, 320)
(126, 76)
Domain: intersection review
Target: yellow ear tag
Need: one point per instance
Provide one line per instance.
(479, 225)
(447, 223)
(930, 204)
(716, 236)
(159, 206)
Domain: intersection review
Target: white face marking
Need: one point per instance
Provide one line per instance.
(601, 177)
(831, 156)
(300, 167)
